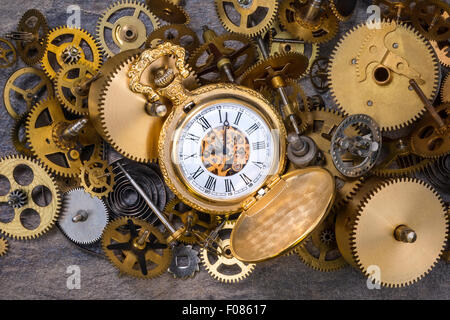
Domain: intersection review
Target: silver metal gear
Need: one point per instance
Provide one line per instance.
(178, 267)
(83, 217)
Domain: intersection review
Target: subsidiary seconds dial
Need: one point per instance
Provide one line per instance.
(225, 151)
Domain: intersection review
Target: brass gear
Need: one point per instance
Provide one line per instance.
(41, 197)
(97, 178)
(445, 90)
(64, 157)
(289, 65)
(343, 9)
(34, 22)
(125, 255)
(66, 184)
(322, 30)
(319, 251)
(169, 12)
(391, 103)
(178, 34)
(58, 46)
(128, 31)
(4, 246)
(442, 49)
(395, 9)
(239, 49)
(201, 223)
(374, 237)
(432, 19)
(17, 82)
(397, 160)
(244, 11)
(69, 87)
(8, 54)
(428, 140)
(217, 263)
(18, 138)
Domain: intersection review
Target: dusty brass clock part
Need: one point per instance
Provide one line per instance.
(220, 144)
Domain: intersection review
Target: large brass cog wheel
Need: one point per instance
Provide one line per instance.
(168, 11)
(29, 84)
(32, 198)
(239, 15)
(70, 45)
(367, 83)
(97, 178)
(432, 19)
(222, 265)
(199, 224)
(128, 31)
(8, 54)
(136, 248)
(4, 246)
(321, 30)
(63, 156)
(400, 226)
(238, 49)
(72, 88)
(178, 34)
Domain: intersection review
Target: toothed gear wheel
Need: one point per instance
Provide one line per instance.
(77, 43)
(69, 87)
(320, 250)
(323, 29)
(445, 90)
(136, 248)
(83, 217)
(395, 9)
(30, 85)
(169, 12)
(442, 49)
(66, 184)
(358, 85)
(4, 246)
(18, 136)
(45, 126)
(97, 178)
(343, 9)
(178, 267)
(223, 266)
(34, 22)
(177, 34)
(129, 22)
(432, 19)
(393, 227)
(8, 54)
(238, 49)
(43, 200)
(235, 15)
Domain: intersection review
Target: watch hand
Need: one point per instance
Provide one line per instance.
(226, 124)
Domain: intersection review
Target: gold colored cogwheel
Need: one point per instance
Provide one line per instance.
(445, 90)
(224, 266)
(375, 81)
(401, 227)
(236, 15)
(3, 246)
(18, 136)
(72, 89)
(31, 194)
(127, 21)
(442, 49)
(168, 11)
(45, 127)
(97, 178)
(70, 45)
(431, 19)
(395, 9)
(178, 34)
(343, 9)
(8, 54)
(129, 246)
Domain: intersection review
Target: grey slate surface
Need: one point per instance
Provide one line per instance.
(37, 269)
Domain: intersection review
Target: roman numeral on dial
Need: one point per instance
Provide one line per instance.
(204, 123)
(260, 165)
(246, 179)
(238, 118)
(192, 137)
(211, 183)
(197, 173)
(228, 185)
(259, 145)
(252, 129)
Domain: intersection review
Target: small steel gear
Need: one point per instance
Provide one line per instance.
(238, 15)
(364, 147)
(382, 91)
(322, 29)
(318, 74)
(389, 230)
(445, 90)
(29, 85)
(289, 65)
(239, 50)
(97, 178)
(168, 11)
(178, 34)
(438, 174)
(18, 136)
(428, 140)
(179, 267)
(34, 22)
(38, 203)
(398, 10)
(320, 250)
(136, 248)
(343, 9)
(4, 246)
(45, 129)
(129, 30)
(83, 217)
(199, 224)
(222, 265)
(431, 19)
(8, 54)
(72, 87)
(65, 42)
(442, 49)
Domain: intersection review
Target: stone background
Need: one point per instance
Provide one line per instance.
(37, 269)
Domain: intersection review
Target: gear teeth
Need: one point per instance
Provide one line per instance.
(4, 246)
(445, 91)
